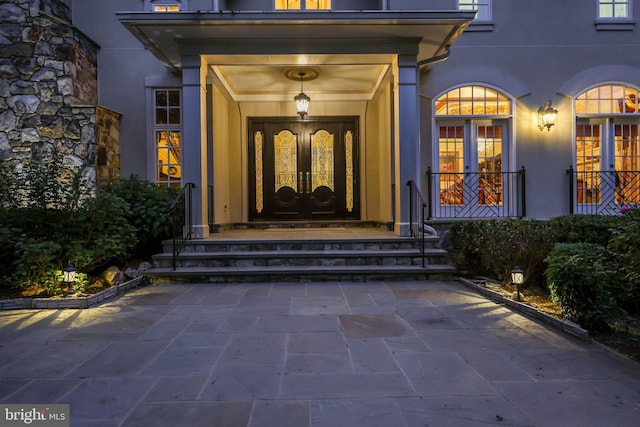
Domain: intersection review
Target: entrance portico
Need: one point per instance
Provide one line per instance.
(232, 68)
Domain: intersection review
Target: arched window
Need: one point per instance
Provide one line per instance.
(471, 146)
(607, 148)
(473, 100)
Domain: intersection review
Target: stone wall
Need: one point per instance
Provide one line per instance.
(48, 86)
(108, 145)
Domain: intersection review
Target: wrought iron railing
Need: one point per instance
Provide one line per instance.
(210, 206)
(602, 192)
(181, 212)
(476, 194)
(417, 212)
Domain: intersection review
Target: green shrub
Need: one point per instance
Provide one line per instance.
(625, 248)
(579, 277)
(99, 232)
(148, 212)
(494, 247)
(595, 229)
(54, 221)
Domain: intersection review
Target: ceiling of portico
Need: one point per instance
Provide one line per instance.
(264, 77)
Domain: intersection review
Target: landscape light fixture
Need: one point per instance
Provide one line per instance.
(302, 100)
(517, 278)
(547, 116)
(69, 276)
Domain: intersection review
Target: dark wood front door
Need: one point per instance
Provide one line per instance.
(303, 170)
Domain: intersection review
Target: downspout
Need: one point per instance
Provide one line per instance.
(435, 59)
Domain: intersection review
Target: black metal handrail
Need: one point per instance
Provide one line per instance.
(476, 194)
(602, 192)
(181, 212)
(417, 209)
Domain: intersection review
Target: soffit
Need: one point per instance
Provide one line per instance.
(249, 51)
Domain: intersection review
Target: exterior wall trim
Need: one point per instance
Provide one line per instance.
(594, 77)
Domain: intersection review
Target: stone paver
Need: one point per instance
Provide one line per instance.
(403, 354)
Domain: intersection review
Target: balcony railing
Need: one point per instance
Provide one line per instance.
(602, 192)
(453, 195)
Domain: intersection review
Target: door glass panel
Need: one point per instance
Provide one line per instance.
(451, 147)
(588, 167)
(259, 171)
(286, 159)
(489, 165)
(348, 142)
(626, 143)
(322, 160)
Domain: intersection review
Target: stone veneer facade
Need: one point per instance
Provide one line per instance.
(49, 94)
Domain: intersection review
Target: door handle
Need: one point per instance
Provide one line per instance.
(300, 182)
(308, 182)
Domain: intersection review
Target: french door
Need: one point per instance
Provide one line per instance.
(303, 170)
(607, 164)
(471, 181)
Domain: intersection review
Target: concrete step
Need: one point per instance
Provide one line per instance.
(234, 245)
(301, 258)
(301, 274)
(301, 254)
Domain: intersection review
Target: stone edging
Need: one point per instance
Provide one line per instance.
(76, 302)
(562, 324)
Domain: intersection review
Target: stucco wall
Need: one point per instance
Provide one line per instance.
(533, 50)
(375, 164)
(124, 66)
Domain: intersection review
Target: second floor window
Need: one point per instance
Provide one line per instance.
(165, 5)
(481, 7)
(614, 9)
(303, 4)
(166, 8)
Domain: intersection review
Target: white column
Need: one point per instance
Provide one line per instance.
(406, 138)
(194, 139)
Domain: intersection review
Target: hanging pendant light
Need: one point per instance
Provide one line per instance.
(301, 99)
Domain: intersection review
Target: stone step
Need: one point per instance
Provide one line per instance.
(301, 258)
(247, 245)
(295, 254)
(301, 274)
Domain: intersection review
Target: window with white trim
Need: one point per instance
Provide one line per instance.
(607, 149)
(302, 4)
(481, 7)
(614, 9)
(167, 131)
(472, 145)
(165, 5)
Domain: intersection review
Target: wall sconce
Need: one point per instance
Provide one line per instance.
(301, 99)
(517, 278)
(547, 116)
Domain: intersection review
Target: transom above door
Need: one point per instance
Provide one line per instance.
(303, 170)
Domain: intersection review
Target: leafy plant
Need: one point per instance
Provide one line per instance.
(494, 247)
(579, 277)
(625, 247)
(54, 220)
(148, 211)
(595, 229)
